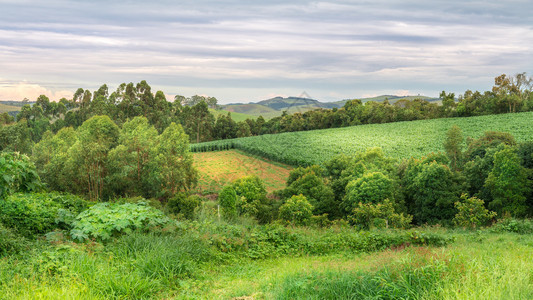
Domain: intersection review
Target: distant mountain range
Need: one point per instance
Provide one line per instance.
(275, 106)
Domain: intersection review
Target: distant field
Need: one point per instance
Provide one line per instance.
(222, 167)
(399, 140)
(237, 117)
(7, 108)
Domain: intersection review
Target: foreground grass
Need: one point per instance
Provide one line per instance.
(478, 265)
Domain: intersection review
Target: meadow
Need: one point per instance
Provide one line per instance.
(398, 140)
(217, 169)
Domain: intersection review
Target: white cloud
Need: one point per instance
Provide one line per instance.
(19, 91)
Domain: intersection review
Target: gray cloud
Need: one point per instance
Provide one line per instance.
(241, 50)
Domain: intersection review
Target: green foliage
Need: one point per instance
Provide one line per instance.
(490, 139)
(174, 162)
(431, 189)
(296, 210)
(186, 205)
(17, 174)
(508, 184)
(378, 215)
(453, 147)
(104, 220)
(11, 242)
(227, 198)
(251, 198)
(398, 140)
(372, 187)
(471, 212)
(34, 214)
(520, 226)
(309, 183)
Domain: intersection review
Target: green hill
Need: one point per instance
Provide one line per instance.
(237, 117)
(274, 107)
(399, 140)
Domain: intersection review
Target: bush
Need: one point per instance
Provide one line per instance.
(10, 242)
(381, 215)
(104, 220)
(472, 212)
(184, 205)
(32, 214)
(514, 225)
(18, 174)
(297, 210)
(227, 198)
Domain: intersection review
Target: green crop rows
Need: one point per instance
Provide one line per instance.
(399, 140)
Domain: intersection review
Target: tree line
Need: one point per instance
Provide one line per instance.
(509, 94)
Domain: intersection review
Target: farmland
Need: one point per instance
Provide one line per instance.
(399, 140)
(217, 169)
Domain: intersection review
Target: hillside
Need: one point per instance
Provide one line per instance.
(236, 116)
(216, 169)
(275, 106)
(399, 140)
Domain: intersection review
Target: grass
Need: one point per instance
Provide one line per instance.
(217, 169)
(398, 140)
(185, 264)
(237, 117)
(8, 108)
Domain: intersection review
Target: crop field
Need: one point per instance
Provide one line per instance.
(7, 108)
(399, 140)
(217, 169)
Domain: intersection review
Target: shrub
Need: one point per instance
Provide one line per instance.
(381, 215)
(472, 212)
(184, 205)
(10, 242)
(40, 213)
(514, 225)
(18, 174)
(370, 188)
(104, 220)
(227, 198)
(297, 210)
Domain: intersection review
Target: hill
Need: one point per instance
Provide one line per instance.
(236, 116)
(399, 140)
(274, 107)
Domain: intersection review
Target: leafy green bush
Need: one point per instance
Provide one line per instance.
(524, 226)
(297, 210)
(10, 242)
(472, 212)
(18, 174)
(104, 220)
(380, 215)
(183, 204)
(228, 202)
(39, 213)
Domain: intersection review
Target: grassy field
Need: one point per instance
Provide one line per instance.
(7, 108)
(477, 265)
(399, 140)
(217, 169)
(237, 117)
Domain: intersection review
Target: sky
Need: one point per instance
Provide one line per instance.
(247, 51)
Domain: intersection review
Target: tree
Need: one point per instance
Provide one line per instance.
(471, 212)
(88, 156)
(296, 210)
(18, 174)
(508, 184)
(453, 146)
(174, 161)
(430, 190)
(372, 187)
(227, 198)
(367, 215)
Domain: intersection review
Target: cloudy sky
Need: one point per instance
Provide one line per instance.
(244, 50)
